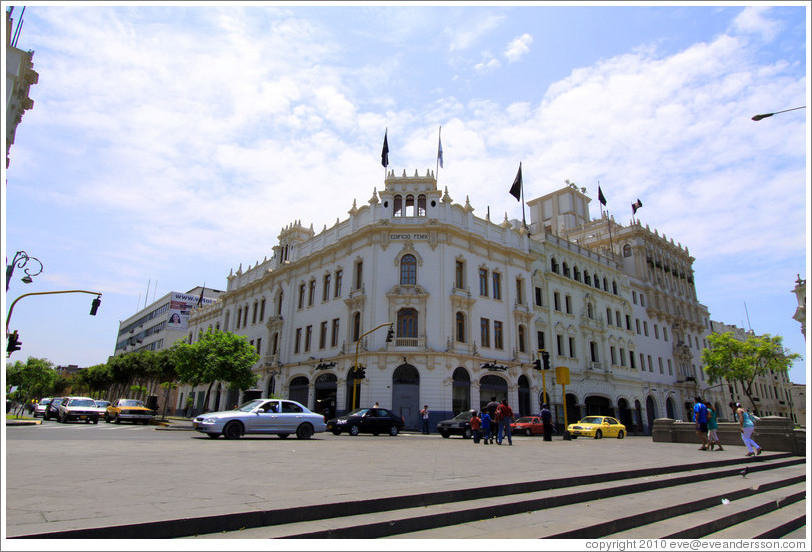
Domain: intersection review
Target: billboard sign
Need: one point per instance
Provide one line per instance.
(180, 306)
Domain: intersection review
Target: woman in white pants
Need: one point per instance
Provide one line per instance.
(747, 424)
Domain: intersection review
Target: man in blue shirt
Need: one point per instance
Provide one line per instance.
(701, 421)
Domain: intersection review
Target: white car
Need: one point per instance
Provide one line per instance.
(39, 408)
(262, 416)
(78, 408)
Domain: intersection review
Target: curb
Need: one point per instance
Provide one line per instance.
(22, 422)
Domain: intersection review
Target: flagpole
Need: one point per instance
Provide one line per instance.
(386, 149)
(439, 149)
(524, 221)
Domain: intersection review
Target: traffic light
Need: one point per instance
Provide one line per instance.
(390, 335)
(14, 343)
(537, 364)
(361, 373)
(545, 356)
(95, 306)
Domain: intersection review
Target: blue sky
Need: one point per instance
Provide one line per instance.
(172, 144)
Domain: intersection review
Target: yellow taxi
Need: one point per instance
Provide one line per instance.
(597, 427)
(128, 410)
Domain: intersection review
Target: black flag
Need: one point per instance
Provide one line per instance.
(516, 189)
(636, 205)
(385, 151)
(600, 197)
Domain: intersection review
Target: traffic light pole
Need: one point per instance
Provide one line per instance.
(95, 305)
(355, 365)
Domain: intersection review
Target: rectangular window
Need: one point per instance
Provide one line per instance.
(642, 300)
(631, 360)
(540, 339)
(593, 351)
(634, 297)
(650, 366)
(665, 333)
(254, 313)
(483, 282)
(623, 357)
(670, 368)
(301, 295)
(539, 302)
(323, 335)
(612, 354)
(520, 291)
(485, 332)
(308, 338)
(239, 316)
(572, 347)
(262, 310)
(359, 274)
(312, 293)
(498, 342)
(645, 328)
(660, 362)
(656, 331)
(568, 303)
(628, 322)
(459, 275)
(497, 286)
(339, 277)
(617, 319)
(325, 291)
(259, 346)
(557, 301)
(642, 362)
(334, 335)
(559, 342)
(637, 325)
(298, 342)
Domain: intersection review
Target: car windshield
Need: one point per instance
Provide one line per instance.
(45, 401)
(82, 402)
(250, 405)
(102, 403)
(130, 402)
(592, 420)
(467, 415)
(358, 412)
(524, 420)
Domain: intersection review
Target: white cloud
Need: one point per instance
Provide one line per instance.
(488, 64)
(753, 20)
(518, 47)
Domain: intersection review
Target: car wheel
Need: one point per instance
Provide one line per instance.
(445, 434)
(528, 432)
(88, 420)
(376, 433)
(213, 435)
(354, 430)
(283, 435)
(467, 433)
(598, 434)
(305, 431)
(620, 434)
(117, 419)
(393, 431)
(336, 432)
(573, 437)
(95, 420)
(106, 418)
(233, 430)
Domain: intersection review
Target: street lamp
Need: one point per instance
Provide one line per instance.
(20, 260)
(765, 115)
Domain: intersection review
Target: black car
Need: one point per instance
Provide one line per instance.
(458, 425)
(52, 410)
(367, 420)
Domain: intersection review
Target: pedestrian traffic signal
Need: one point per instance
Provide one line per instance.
(390, 335)
(545, 356)
(14, 343)
(537, 364)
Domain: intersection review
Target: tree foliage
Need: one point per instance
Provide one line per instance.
(217, 356)
(731, 359)
(35, 378)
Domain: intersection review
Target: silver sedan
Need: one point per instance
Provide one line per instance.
(262, 416)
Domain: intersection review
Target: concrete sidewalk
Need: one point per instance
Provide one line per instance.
(191, 476)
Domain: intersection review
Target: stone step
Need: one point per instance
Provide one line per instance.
(778, 524)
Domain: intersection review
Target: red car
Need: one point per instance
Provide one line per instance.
(529, 425)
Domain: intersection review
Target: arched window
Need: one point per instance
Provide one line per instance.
(589, 311)
(408, 270)
(627, 250)
(576, 274)
(409, 210)
(460, 390)
(407, 323)
(587, 279)
(554, 265)
(421, 205)
(605, 285)
(614, 287)
(397, 206)
(460, 327)
(566, 270)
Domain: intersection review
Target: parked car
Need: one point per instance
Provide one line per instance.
(78, 408)
(52, 410)
(458, 425)
(262, 416)
(39, 408)
(101, 406)
(128, 410)
(529, 425)
(367, 420)
(597, 427)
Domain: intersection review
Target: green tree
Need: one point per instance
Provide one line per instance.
(217, 356)
(731, 359)
(35, 379)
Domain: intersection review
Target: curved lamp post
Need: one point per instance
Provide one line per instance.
(20, 260)
(765, 115)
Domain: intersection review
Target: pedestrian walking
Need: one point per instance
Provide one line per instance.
(491, 408)
(701, 421)
(485, 420)
(476, 424)
(425, 414)
(713, 425)
(505, 416)
(747, 424)
(547, 422)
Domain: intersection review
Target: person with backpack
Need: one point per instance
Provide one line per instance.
(747, 425)
(485, 419)
(491, 409)
(701, 421)
(713, 425)
(505, 416)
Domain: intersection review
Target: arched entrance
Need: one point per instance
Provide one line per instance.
(638, 417)
(525, 409)
(491, 386)
(406, 394)
(298, 390)
(325, 388)
(271, 386)
(598, 406)
(669, 408)
(624, 413)
(651, 413)
(460, 391)
(689, 411)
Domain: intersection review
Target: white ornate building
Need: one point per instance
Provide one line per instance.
(471, 303)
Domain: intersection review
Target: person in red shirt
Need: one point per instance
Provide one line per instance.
(505, 415)
(476, 423)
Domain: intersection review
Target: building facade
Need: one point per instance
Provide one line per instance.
(471, 302)
(20, 76)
